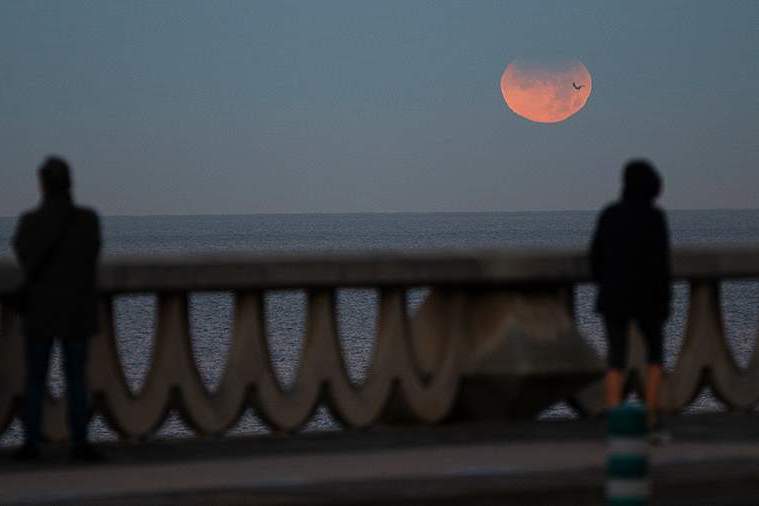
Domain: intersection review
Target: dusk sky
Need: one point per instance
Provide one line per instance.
(364, 106)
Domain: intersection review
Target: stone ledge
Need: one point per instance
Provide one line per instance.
(451, 268)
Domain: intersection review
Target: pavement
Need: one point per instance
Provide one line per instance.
(712, 460)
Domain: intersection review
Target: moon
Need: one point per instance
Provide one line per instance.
(546, 93)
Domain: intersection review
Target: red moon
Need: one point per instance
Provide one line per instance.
(546, 93)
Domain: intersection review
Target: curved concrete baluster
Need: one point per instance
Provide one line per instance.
(322, 365)
(430, 393)
(392, 366)
(172, 377)
(424, 395)
(247, 361)
(747, 394)
(703, 343)
(749, 380)
(214, 413)
(736, 387)
(107, 381)
(288, 409)
(139, 415)
(177, 368)
(12, 368)
(358, 405)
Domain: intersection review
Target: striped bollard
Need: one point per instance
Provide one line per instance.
(627, 482)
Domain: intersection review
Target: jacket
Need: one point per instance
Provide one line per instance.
(61, 299)
(630, 261)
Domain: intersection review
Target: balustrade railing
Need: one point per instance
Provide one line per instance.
(496, 337)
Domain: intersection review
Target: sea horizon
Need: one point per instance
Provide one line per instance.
(362, 213)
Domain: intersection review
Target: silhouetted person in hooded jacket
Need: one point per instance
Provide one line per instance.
(57, 246)
(630, 261)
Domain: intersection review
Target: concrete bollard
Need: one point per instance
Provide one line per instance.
(627, 481)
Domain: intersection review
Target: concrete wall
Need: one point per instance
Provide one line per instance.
(495, 338)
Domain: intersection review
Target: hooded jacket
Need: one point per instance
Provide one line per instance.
(630, 259)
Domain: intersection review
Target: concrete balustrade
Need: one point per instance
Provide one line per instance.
(496, 337)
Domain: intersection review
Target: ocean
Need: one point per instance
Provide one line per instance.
(211, 312)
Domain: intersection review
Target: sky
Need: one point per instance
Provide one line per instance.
(183, 107)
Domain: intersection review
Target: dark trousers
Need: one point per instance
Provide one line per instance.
(652, 330)
(75, 370)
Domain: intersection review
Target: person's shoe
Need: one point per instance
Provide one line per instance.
(27, 453)
(85, 452)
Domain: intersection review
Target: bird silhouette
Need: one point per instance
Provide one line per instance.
(577, 87)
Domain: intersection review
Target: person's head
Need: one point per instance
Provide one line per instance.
(641, 182)
(55, 177)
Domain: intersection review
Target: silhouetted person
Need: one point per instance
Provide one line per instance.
(57, 246)
(630, 260)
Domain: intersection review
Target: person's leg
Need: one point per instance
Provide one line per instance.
(653, 389)
(614, 384)
(616, 336)
(75, 367)
(652, 330)
(37, 358)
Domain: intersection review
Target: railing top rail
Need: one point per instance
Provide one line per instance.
(247, 272)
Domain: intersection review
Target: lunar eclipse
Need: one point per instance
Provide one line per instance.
(546, 93)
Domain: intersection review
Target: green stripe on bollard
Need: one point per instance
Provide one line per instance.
(627, 420)
(627, 466)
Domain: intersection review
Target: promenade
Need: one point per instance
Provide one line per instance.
(713, 460)
(495, 343)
